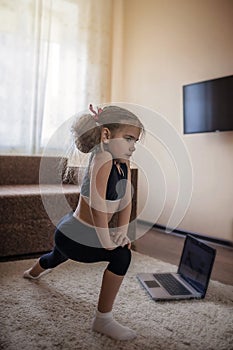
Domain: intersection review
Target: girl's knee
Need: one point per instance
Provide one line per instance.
(120, 261)
(52, 259)
(124, 255)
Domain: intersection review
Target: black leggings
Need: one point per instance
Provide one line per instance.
(70, 248)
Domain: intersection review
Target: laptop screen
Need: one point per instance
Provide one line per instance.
(196, 263)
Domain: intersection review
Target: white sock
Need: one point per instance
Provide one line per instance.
(105, 324)
(27, 274)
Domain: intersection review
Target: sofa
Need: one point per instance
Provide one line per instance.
(33, 198)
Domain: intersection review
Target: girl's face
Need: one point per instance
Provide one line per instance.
(122, 144)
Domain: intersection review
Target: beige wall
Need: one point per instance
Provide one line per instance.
(166, 44)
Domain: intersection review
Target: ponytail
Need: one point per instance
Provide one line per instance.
(86, 133)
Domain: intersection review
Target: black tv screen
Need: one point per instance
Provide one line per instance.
(208, 106)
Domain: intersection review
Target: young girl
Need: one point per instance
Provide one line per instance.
(84, 235)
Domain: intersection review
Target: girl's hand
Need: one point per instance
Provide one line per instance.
(120, 238)
(126, 242)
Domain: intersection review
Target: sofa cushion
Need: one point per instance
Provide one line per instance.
(26, 170)
(21, 202)
(29, 213)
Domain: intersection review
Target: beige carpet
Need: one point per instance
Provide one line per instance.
(56, 312)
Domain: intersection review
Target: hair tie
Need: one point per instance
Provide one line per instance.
(95, 114)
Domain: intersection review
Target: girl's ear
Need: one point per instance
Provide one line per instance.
(105, 135)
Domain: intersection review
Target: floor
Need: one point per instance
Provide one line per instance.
(168, 248)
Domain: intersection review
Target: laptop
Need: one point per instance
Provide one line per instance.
(192, 278)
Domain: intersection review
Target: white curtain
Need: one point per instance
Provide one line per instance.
(55, 59)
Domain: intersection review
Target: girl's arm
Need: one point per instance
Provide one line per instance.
(125, 205)
(120, 236)
(99, 174)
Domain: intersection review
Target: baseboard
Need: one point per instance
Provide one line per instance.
(183, 233)
(22, 256)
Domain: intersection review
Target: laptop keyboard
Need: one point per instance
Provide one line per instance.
(171, 284)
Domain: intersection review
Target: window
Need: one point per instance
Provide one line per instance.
(54, 61)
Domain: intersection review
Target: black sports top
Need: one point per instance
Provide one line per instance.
(116, 185)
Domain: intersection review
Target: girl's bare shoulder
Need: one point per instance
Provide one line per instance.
(102, 157)
(102, 160)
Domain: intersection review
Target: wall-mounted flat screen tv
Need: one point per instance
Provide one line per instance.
(208, 106)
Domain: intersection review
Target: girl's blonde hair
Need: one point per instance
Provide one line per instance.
(86, 129)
